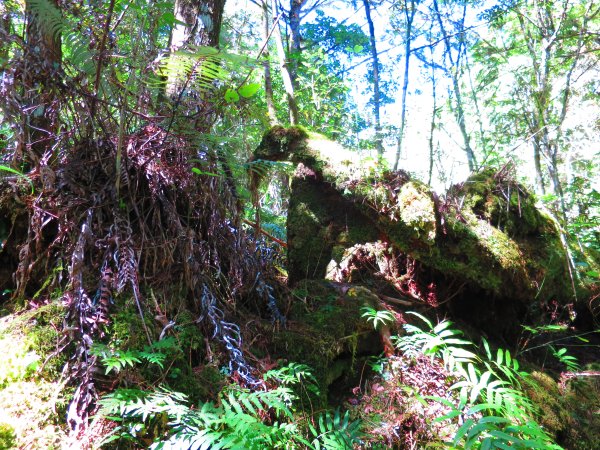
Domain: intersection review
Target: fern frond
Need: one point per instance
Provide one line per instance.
(336, 432)
(202, 66)
(48, 16)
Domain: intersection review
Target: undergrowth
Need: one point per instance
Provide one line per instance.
(484, 406)
(240, 418)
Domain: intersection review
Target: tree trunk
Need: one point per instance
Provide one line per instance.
(295, 45)
(409, 15)
(203, 20)
(42, 58)
(5, 32)
(376, 93)
(267, 24)
(432, 127)
(537, 161)
(453, 72)
(285, 74)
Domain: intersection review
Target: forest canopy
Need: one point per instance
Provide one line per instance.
(315, 224)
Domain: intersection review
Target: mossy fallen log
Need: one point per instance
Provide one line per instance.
(486, 238)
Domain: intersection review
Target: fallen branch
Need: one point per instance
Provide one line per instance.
(266, 233)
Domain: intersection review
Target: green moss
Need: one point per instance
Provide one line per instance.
(31, 407)
(500, 247)
(319, 220)
(126, 330)
(567, 412)
(279, 143)
(326, 331)
(501, 201)
(544, 393)
(417, 210)
(39, 338)
(200, 384)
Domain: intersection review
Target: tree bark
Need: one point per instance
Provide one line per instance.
(267, 24)
(42, 58)
(285, 74)
(409, 15)
(433, 125)
(5, 32)
(376, 92)
(295, 45)
(202, 19)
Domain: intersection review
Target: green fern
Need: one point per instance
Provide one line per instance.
(291, 374)
(569, 361)
(438, 340)
(241, 419)
(494, 411)
(377, 317)
(335, 432)
(118, 360)
(202, 66)
(48, 16)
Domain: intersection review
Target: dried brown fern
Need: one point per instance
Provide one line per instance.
(166, 228)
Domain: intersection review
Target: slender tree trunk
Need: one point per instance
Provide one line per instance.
(537, 161)
(5, 32)
(432, 127)
(478, 114)
(285, 74)
(453, 72)
(203, 20)
(271, 111)
(43, 57)
(295, 45)
(376, 93)
(409, 15)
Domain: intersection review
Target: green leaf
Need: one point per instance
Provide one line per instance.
(463, 430)
(505, 436)
(482, 407)
(17, 173)
(507, 357)
(423, 318)
(451, 415)
(248, 90)
(201, 172)
(499, 356)
(231, 96)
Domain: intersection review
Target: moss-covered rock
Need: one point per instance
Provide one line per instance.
(487, 233)
(326, 331)
(417, 210)
(321, 224)
(568, 411)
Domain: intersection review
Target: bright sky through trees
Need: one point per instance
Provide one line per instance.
(450, 163)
